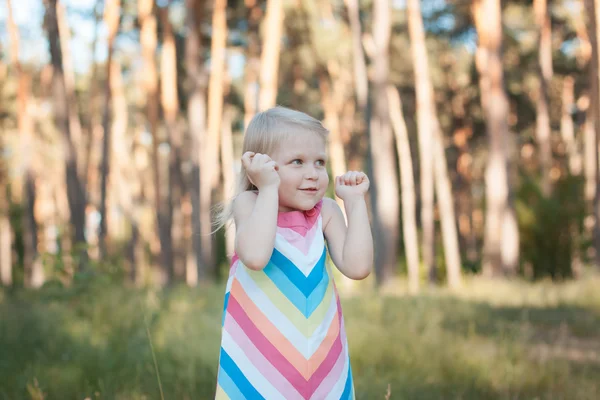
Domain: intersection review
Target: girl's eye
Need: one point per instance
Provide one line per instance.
(321, 163)
(297, 162)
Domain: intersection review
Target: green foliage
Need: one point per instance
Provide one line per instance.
(550, 227)
(516, 341)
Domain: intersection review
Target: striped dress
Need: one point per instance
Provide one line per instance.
(283, 333)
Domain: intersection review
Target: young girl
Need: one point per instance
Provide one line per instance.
(283, 333)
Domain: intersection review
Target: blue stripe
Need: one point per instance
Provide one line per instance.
(225, 308)
(349, 389)
(228, 386)
(316, 297)
(286, 287)
(238, 378)
(306, 284)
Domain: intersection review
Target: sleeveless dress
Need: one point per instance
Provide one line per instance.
(283, 333)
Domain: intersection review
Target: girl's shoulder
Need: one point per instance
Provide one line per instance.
(328, 208)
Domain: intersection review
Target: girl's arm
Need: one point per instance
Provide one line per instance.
(351, 247)
(255, 215)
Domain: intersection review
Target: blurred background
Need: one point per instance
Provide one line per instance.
(478, 122)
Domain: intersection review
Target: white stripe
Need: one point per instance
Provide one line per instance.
(305, 263)
(277, 318)
(260, 383)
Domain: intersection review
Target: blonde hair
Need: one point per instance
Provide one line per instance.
(263, 135)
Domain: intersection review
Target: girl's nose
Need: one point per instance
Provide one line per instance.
(311, 173)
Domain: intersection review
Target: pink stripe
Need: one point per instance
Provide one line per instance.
(300, 240)
(332, 378)
(328, 363)
(266, 347)
(259, 362)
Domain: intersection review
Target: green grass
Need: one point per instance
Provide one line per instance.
(494, 340)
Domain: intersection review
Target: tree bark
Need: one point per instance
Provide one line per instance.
(361, 81)
(252, 67)
(6, 239)
(501, 238)
(74, 186)
(543, 130)
(385, 201)
(596, 105)
(34, 273)
(228, 174)
(112, 9)
(567, 129)
(148, 39)
(427, 110)
(426, 138)
(407, 184)
(332, 123)
(199, 255)
(269, 65)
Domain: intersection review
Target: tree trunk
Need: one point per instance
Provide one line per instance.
(543, 131)
(228, 174)
(170, 106)
(269, 64)
(567, 129)
(332, 123)
(198, 266)
(252, 67)
(360, 68)
(409, 207)
(34, 273)
(112, 11)
(596, 105)
(384, 193)
(69, 76)
(501, 238)
(148, 39)
(426, 139)
(427, 110)
(74, 186)
(6, 239)
(215, 88)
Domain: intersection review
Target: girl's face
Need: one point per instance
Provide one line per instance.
(302, 169)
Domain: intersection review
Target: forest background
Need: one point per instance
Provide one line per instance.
(478, 122)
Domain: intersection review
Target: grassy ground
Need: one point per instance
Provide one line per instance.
(494, 340)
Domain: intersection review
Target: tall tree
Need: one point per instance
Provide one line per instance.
(197, 267)
(543, 131)
(426, 139)
(385, 201)
(269, 65)
(566, 126)
(170, 107)
(34, 274)
(216, 85)
(360, 68)
(112, 11)
(254, 14)
(62, 109)
(501, 240)
(426, 110)
(595, 83)
(409, 206)
(148, 39)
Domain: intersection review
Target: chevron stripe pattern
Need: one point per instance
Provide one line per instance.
(283, 333)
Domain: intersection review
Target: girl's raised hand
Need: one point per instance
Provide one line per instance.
(261, 169)
(352, 183)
